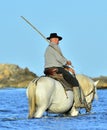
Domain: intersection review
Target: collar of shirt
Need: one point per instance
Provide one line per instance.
(56, 47)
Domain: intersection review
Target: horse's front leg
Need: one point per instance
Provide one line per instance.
(74, 111)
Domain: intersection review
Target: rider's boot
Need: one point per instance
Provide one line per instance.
(77, 98)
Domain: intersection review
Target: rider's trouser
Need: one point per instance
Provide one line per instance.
(68, 77)
(74, 84)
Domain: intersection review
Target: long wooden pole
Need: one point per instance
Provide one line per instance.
(34, 28)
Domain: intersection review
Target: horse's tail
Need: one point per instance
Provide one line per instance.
(32, 99)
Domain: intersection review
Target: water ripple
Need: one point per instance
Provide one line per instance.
(14, 111)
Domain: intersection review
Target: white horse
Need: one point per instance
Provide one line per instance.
(48, 94)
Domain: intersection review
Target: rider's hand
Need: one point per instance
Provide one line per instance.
(68, 62)
(71, 70)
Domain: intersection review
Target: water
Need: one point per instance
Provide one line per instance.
(14, 111)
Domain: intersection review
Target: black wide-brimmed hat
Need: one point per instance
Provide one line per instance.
(54, 35)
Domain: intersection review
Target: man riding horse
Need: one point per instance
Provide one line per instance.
(46, 94)
(55, 62)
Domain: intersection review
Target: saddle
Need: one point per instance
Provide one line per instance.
(52, 72)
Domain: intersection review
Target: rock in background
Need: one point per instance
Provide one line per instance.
(13, 76)
(102, 84)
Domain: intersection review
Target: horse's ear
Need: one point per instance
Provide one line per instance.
(96, 82)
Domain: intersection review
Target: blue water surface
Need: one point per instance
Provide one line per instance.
(14, 111)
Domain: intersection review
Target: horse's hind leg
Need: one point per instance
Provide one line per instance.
(39, 112)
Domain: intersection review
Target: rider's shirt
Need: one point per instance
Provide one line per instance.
(54, 56)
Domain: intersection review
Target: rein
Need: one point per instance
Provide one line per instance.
(93, 91)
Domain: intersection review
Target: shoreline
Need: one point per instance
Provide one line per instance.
(13, 76)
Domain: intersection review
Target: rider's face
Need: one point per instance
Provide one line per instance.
(55, 40)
